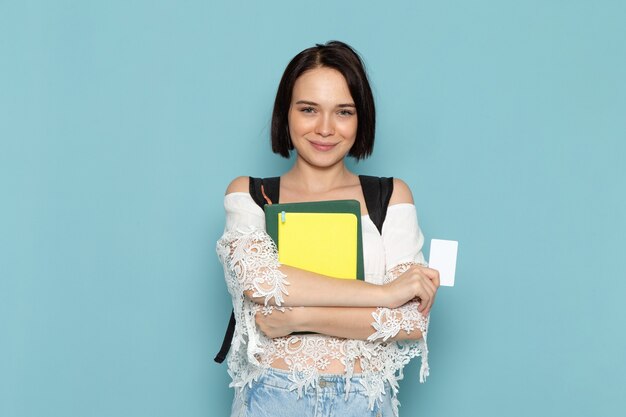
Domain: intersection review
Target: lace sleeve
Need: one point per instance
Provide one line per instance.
(250, 262)
(388, 322)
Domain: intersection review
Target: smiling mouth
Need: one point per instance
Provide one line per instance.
(323, 147)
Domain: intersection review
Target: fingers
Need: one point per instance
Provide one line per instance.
(427, 297)
(432, 274)
(428, 280)
(416, 282)
(273, 325)
(260, 322)
(265, 323)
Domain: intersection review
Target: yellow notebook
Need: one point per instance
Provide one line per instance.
(322, 237)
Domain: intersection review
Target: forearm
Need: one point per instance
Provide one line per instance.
(251, 267)
(362, 323)
(305, 289)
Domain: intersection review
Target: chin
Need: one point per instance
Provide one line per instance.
(321, 161)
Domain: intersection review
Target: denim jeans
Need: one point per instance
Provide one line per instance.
(270, 397)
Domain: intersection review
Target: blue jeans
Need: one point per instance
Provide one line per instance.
(270, 397)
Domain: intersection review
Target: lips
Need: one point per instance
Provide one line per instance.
(322, 147)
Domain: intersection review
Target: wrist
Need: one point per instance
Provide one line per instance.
(382, 296)
(299, 319)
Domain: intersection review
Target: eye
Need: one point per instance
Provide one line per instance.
(307, 109)
(346, 112)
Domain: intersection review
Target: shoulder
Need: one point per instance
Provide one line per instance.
(239, 185)
(241, 210)
(401, 193)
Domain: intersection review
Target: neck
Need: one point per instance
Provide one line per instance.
(318, 179)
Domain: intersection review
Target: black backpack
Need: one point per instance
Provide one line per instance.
(376, 190)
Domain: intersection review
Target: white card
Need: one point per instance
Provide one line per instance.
(443, 259)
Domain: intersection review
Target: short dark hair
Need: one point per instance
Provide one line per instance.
(341, 57)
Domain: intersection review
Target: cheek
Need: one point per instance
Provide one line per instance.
(299, 125)
(348, 130)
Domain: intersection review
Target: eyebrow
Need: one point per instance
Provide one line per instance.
(312, 103)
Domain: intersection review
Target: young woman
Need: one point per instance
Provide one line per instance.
(364, 331)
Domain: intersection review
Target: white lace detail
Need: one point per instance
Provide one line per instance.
(250, 262)
(389, 322)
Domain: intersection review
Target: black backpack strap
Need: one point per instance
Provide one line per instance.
(228, 339)
(271, 188)
(254, 188)
(377, 192)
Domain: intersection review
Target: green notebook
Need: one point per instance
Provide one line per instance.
(322, 236)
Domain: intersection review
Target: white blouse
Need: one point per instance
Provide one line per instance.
(250, 262)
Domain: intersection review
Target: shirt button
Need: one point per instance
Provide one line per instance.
(322, 383)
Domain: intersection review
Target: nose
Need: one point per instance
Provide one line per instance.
(324, 126)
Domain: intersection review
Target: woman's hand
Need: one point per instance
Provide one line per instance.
(416, 282)
(278, 323)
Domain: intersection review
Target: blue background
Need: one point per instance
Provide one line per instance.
(122, 122)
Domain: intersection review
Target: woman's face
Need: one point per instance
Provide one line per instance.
(322, 117)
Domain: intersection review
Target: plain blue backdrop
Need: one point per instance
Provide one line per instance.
(122, 122)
